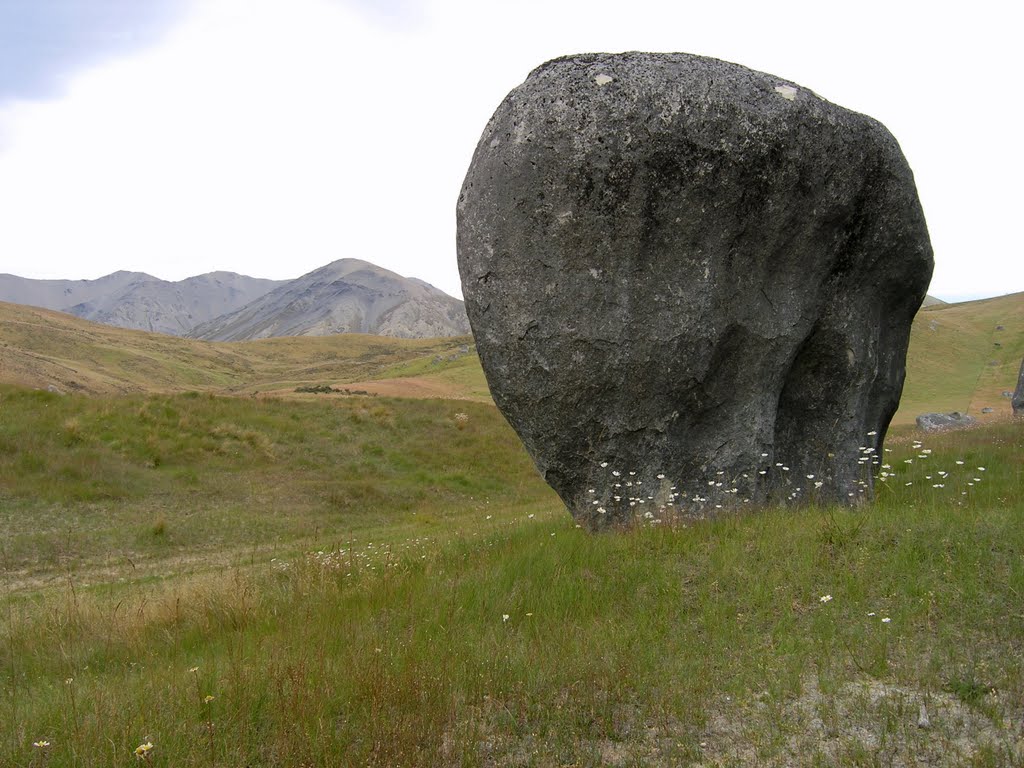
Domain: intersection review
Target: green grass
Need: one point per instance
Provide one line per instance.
(339, 573)
(958, 360)
(87, 483)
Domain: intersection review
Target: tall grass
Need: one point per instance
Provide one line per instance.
(503, 635)
(88, 483)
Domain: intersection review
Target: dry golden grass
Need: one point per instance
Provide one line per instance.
(41, 348)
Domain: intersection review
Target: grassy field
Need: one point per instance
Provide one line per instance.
(330, 580)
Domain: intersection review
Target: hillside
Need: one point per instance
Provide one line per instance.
(346, 296)
(962, 357)
(41, 348)
(229, 581)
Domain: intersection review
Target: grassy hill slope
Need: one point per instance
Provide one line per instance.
(40, 348)
(259, 582)
(960, 360)
(327, 580)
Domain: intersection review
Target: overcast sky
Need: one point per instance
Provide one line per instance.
(270, 137)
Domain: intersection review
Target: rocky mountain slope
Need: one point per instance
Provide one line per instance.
(346, 296)
(139, 301)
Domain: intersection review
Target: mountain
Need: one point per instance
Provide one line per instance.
(139, 301)
(63, 294)
(346, 296)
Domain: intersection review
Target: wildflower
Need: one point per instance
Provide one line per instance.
(604, 464)
(872, 433)
(810, 477)
(69, 681)
(504, 617)
(193, 670)
(661, 477)
(41, 744)
(208, 698)
(959, 462)
(142, 751)
(872, 613)
(886, 620)
(616, 473)
(981, 469)
(825, 598)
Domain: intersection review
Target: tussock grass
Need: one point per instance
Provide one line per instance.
(159, 483)
(39, 348)
(433, 628)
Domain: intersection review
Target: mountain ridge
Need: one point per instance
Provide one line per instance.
(345, 296)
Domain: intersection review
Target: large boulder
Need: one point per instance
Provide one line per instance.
(691, 284)
(1018, 395)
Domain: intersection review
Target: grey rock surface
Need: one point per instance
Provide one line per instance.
(684, 269)
(936, 422)
(1018, 395)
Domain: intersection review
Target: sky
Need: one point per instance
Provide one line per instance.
(271, 137)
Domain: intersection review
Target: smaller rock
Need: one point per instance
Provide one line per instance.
(997, 345)
(987, 410)
(922, 718)
(999, 328)
(935, 422)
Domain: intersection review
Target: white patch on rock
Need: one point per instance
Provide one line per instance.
(603, 79)
(786, 91)
(595, 273)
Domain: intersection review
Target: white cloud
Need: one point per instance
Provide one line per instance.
(270, 137)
